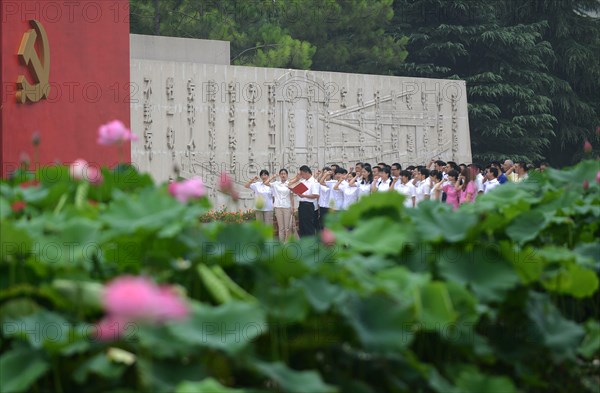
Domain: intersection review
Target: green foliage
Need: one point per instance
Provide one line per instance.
(500, 295)
(331, 35)
(532, 70)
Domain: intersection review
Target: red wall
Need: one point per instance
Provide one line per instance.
(89, 79)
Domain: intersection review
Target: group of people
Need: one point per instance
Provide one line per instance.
(336, 188)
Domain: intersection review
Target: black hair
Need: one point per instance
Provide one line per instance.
(453, 173)
(305, 169)
(440, 163)
(494, 171)
(284, 170)
(439, 176)
(397, 165)
(369, 178)
(433, 172)
(523, 165)
(424, 172)
(386, 169)
(406, 173)
(340, 170)
(454, 166)
(263, 172)
(377, 167)
(410, 168)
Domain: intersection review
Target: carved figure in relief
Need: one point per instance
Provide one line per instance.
(343, 93)
(410, 143)
(408, 100)
(359, 97)
(424, 100)
(170, 89)
(395, 138)
(310, 94)
(170, 138)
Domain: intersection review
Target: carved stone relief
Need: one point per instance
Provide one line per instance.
(300, 118)
(232, 96)
(147, 93)
(190, 153)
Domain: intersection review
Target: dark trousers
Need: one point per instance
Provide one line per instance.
(306, 218)
(322, 213)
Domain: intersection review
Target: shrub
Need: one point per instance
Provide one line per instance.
(498, 296)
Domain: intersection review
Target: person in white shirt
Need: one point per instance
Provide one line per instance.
(283, 204)
(383, 181)
(492, 179)
(396, 168)
(435, 177)
(308, 201)
(326, 182)
(350, 193)
(377, 175)
(477, 176)
(363, 184)
(522, 172)
(358, 169)
(337, 192)
(404, 186)
(423, 186)
(263, 201)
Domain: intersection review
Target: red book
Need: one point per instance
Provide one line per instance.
(299, 189)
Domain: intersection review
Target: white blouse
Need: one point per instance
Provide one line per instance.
(281, 193)
(264, 192)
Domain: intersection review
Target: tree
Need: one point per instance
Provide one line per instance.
(504, 67)
(336, 35)
(574, 33)
(532, 70)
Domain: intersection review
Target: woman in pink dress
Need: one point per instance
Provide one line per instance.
(451, 187)
(468, 187)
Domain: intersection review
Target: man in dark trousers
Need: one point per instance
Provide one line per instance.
(308, 201)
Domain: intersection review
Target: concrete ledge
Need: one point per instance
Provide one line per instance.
(149, 47)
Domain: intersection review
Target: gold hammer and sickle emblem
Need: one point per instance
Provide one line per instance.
(39, 66)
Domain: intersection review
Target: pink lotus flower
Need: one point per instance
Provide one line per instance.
(17, 206)
(114, 132)
(130, 299)
(225, 183)
(587, 146)
(187, 189)
(110, 328)
(598, 177)
(30, 183)
(81, 170)
(327, 237)
(169, 306)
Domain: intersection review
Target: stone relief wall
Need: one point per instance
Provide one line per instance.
(204, 119)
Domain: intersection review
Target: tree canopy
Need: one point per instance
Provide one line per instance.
(532, 67)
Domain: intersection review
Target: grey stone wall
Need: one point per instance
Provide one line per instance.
(209, 118)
